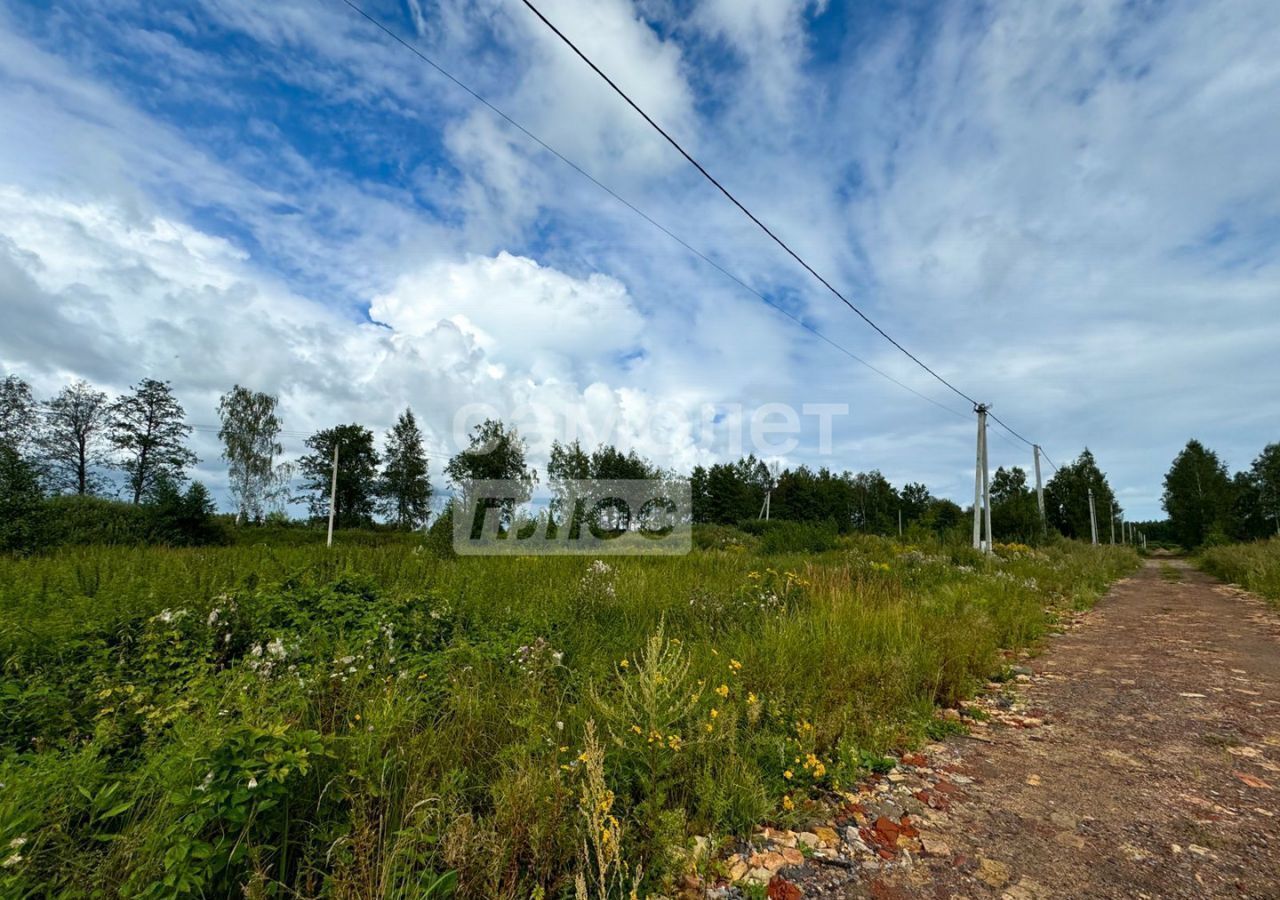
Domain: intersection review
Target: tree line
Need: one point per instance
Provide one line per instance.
(1206, 504)
(72, 442)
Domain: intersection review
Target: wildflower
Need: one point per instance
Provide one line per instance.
(253, 782)
(723, 690)
(735, 665)
(12, 861)
(787, 774)
(624, 664)
(17, 843)
(752, 699)
(714, 712)
(787, 803)
(708, 727)
(276, 648)
(637, 729)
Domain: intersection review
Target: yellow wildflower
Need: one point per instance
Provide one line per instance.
(787, 803)
(787, 774)
(723, 690)
(714, 712)
(624, 664)
(752, 699)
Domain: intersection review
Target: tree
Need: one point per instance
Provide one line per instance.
(730, 492)
(1197, 495)
(493, 454)
(72, 442)
(405, 487)
(568, 463)
(19, 420)
(250, 436)
(21, 502)
(1066, 498)
(357, 475)
(148, 430)
(1265, 477)
(875, 504)
(915, 499)
(1015, 516)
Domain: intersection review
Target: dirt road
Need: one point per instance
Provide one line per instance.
(1156, 774)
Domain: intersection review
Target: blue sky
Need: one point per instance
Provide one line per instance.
(1071, 209)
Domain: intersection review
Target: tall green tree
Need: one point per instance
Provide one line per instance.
(1066, 498)
(568, 463)
(874, 504)
(73, 440)
(494, 453)
(405, 487)
(357, 493)
(1015, 515)
(149, 431)
(250, 435)
(21, 503)
(1197, 495)
(1265, 477)
(19, 419)
(915, 499)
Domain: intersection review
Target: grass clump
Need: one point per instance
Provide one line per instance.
(1253, 566)
(383, 720)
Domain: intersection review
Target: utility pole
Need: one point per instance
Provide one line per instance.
(768, 493)
(899, 521)
(333, 494)
(981, 485)
(1093, 518)
(1111, 514)
(1039, 488)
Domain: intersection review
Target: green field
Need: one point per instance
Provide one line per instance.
(286, 721)
(1254, 566)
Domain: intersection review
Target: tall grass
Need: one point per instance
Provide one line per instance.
(1254, 566)
(373, 721)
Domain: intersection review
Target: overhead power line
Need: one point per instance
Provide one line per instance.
(635, 209)
(736, 202)
(676, 238)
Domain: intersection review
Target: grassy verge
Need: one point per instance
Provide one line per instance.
(1253, 566)
(377, 722)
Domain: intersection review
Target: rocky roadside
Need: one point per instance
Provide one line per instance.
(889, 824)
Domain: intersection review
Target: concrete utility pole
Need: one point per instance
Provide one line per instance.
(768, 494)
(1039, 486)
(333, 494)
(899, 521)
(1093, 518)
(981, 485)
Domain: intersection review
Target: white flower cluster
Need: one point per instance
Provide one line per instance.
(529, 658)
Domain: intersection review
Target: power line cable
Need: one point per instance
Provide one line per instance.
(750, 215)
(635, 209)
(736, 202)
